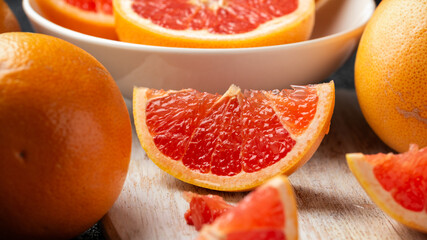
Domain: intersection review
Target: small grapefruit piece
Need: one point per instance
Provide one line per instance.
(267, 213)
(92, 17)
(8, 22)
(396, 183)
(213, 23)
(391, 73)
(204, 209)
(236, 141)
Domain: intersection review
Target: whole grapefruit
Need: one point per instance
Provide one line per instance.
(65, 138)
(8, 22)
(391, 73)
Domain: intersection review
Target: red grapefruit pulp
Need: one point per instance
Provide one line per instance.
(214, 23)
(92, 17)
(397, 183)
(267, 213)
(204, 209)
(235, 141)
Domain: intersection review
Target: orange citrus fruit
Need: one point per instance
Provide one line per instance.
(92, 17)
(269, 212)
(213, 23)
(204, 209)
(391, 73)
(65, 138)
(8, 22)
(235, 141)
(396, 183)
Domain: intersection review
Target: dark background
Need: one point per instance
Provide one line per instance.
(343, 77)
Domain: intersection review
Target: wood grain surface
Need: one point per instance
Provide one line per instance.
(331, 203)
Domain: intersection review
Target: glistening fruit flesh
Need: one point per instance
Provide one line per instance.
(212, 23)
(92, 17)
(396, 183)
(235, 141)
(267, 213)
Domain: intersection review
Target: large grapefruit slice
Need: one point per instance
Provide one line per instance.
(213, 23)
(92, 17)
(268, 213)
(396, 183)
(235, 141)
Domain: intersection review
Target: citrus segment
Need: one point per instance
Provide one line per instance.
(92, 17)
(204, 209)
(269, 212)
(8, 22)
(396, 183)
(213, 23)
(235, 141)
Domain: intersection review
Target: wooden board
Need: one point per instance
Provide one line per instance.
(331, 204)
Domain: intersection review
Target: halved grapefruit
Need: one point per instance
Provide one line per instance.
(396, 183)
(236, 141)
(268, 213)
(92, 17)
(213, 23)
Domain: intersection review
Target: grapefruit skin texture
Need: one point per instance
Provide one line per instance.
(391, 73)
(8, 22)
(75, 21)
(130, 31)
(65, 138)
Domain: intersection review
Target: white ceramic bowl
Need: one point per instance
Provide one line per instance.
(339, 25)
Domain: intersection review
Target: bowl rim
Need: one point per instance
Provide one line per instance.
(33, 15)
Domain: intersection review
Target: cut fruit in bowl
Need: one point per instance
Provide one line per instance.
(339, 25)
(92, 17)
(396, 183)
(267, 213)
(235, 141)
(213, 23)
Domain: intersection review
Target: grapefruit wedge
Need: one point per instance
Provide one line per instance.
(213, 23)
(235, 141)
(92, 17)
(267, 213)
(396, 183)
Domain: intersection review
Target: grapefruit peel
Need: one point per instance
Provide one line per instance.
(306, 144)
(364, 173)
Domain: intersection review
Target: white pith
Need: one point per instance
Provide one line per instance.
(302, 11)
(99, 17)
(287, 198)
(363, 170)
(306, 144)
